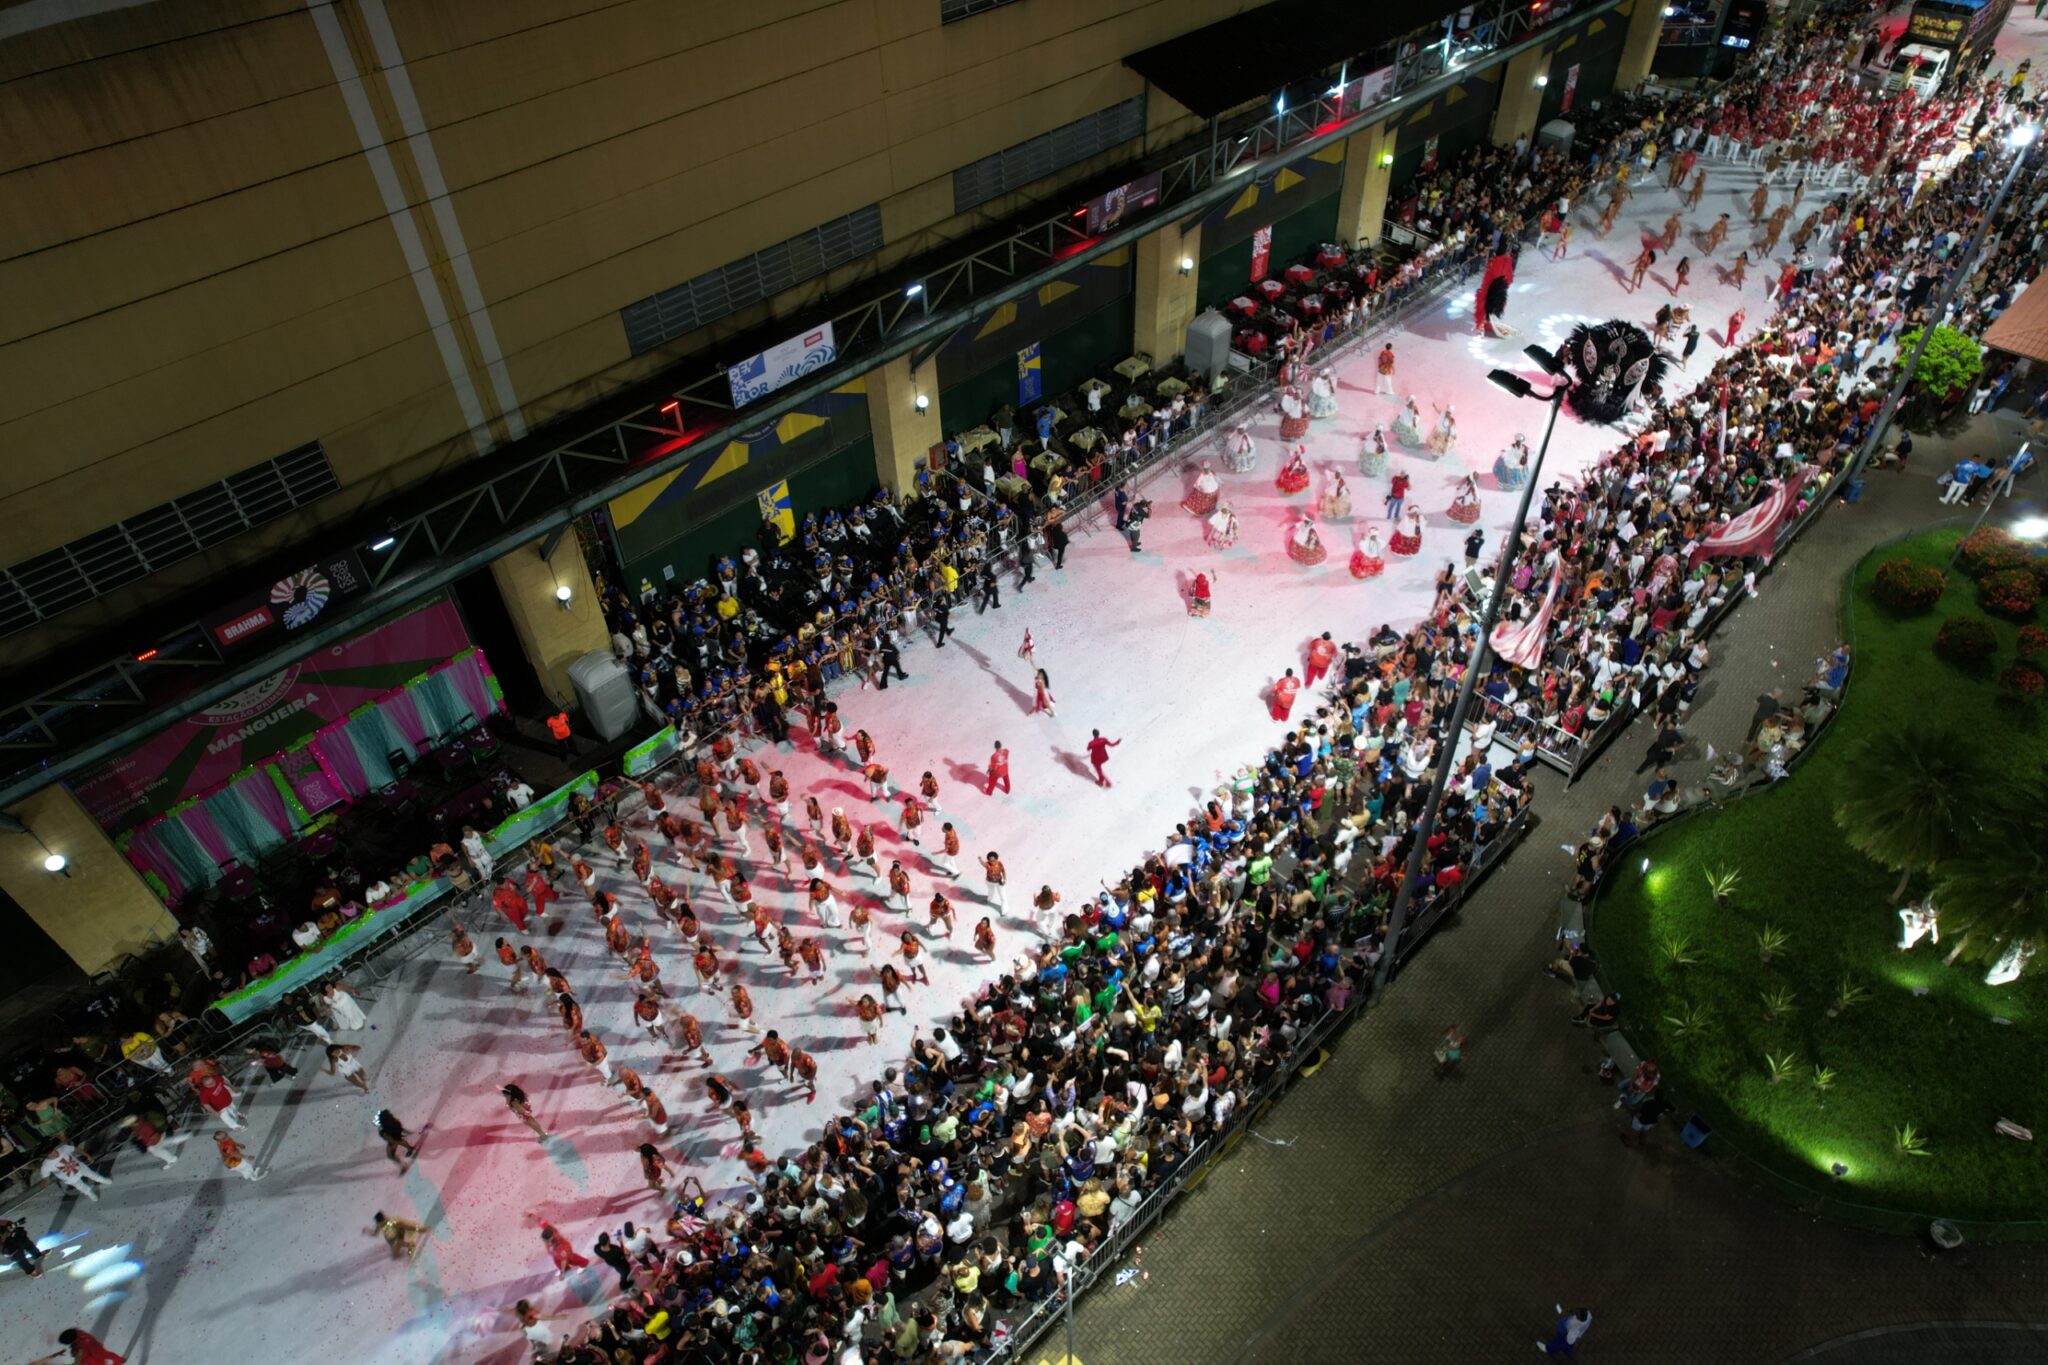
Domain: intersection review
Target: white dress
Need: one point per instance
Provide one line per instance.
(479, 856)
(347, 1014)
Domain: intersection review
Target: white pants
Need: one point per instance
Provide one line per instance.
(995, 896)
(230, 1117)
(249, 1170)
(77, 1182)
(1954, 493)
(1383, 384)
(165, 1149)
(946, 864)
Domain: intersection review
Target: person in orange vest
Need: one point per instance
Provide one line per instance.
(558, 726)
(1322, 651)
(1283, 695)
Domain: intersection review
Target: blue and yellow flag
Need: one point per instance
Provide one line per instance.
(1030, 379)
(776, 508)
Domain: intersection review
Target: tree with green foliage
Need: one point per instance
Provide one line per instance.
(1905, 799)
(1950, 363)
(1995, 888)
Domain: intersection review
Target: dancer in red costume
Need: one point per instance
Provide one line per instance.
(1294, 474)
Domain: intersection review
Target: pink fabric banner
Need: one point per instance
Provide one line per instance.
(1521, 642)
(199, 753)
(1755, 532)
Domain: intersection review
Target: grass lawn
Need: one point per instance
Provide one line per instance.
(1942, 1060)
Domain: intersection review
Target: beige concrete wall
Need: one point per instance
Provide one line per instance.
(1521, 98)
(102, 911)
(552, 636)
(1362, 198)
(1165, 301)
(200, 270)
(903, 436)
(1639, 49)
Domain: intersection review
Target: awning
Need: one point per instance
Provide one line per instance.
(1252, 55)
(2023, 328)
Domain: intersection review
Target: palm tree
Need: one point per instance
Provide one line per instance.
(1905, 799)
(1995, 889)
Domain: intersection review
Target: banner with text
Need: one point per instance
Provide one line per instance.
(200, 752)
(1262, 252)
(781, 364)
(1030, 376)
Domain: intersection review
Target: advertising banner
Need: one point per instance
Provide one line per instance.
(1262, 252)
(1105, 211)
(781, 364)
(293, 601)
(207, 748)
(1030, 376)
(310, 782)
(1571, 89)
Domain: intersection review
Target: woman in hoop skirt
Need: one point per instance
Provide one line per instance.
(1511, 466)
(1222, 532)
(1366, 560)
(1238, 456)
(1408, 540)
(1444, 439)
(1336, 499)
(1305, 546)
(1293, 416)
(1294, 474)
(1465, 505)
(1372, 456)
(1408, 426)
(1202, 501)
(1322, 395)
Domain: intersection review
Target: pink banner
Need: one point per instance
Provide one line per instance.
(199, 753)
(1755, 532)
(309, 780)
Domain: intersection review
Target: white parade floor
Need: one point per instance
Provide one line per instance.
(175, 1265)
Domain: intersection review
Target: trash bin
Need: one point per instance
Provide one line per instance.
(1852, 491)
(1696, 1131)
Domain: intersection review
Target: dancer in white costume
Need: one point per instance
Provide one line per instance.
(1336, 499)
(1222, 533)
(1202, 501)
(1238, 456)
(1322, 395)
(1511, 466)
(1305, 546)
(1372, 456)
(1408, 426)
(1444, 439)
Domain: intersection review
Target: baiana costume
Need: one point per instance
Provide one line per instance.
(1366, 560)
(1198, 596)
(1222, 532)
(1511, 466)
(1444, 439)
(1305, 546)
(1408, 426)
(1294, 474)
(1336, 499)
(1408, 540)
(1322, 395)
(1237, 452)
(1293, 416)
(1202, 501)
(1465, 504)
(1372, 456)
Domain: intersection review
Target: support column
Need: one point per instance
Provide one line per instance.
(1368, 168)
(98, 910)
(903, 436)
(1168, 268)
(1639, 48)
(1521, 96)
(554, 634)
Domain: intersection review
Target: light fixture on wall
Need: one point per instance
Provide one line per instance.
(563, 592)
(1187, 265)
(920, 402)
(1542, 80)
(1386, 158)
(53, 861)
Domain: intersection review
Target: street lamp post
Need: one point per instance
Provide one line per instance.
(2020, 139)
(1521, 388)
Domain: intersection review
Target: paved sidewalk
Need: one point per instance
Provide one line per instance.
(1376, 1213)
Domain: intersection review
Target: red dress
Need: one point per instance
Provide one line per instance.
(1293, 478)
(1364, 565)
(1402, 542)
(86, 1349)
